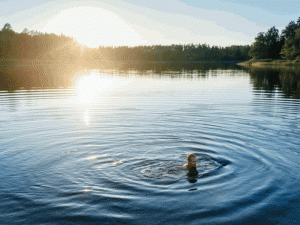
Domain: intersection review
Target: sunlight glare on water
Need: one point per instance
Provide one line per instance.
(96, 87)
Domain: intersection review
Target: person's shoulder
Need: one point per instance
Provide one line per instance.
(183, 167)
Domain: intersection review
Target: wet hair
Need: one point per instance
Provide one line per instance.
(190, 156)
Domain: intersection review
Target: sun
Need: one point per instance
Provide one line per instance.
(94, 27)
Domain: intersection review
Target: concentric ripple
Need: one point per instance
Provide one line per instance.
(163, 169)
(120, 161)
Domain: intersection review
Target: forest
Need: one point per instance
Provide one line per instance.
(34, 45)
(272, 45)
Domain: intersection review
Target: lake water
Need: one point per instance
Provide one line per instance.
(106, 148)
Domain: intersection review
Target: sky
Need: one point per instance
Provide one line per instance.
(157, 22)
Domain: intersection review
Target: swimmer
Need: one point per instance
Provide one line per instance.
(191, 161)
(191, 165)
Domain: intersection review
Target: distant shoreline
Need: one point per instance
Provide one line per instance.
(270, 63)
(23, 62)
(18, 62)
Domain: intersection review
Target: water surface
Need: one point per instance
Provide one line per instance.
(106, 148)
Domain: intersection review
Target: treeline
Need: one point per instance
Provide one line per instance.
(31, 45)
(272, 45)
(170, 53)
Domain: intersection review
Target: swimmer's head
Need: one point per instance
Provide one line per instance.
(191, 160)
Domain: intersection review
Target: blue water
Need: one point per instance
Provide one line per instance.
(107, 149)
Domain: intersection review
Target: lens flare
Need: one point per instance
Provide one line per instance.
(94, 27)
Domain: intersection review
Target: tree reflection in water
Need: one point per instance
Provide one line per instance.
(270, 79)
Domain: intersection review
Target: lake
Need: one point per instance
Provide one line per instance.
(104, 146)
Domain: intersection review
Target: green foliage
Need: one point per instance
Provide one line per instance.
(266, 45)
(31, 45)
(290, 29)
(178, 53)
(259, 48)
(291, 48)
(270, 45)
(7, 27)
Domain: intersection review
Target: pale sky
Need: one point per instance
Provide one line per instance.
(135, 22)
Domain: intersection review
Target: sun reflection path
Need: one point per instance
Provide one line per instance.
(96, 88)
(87, 116)
(92, 88)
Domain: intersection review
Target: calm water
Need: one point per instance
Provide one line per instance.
(106, 149)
